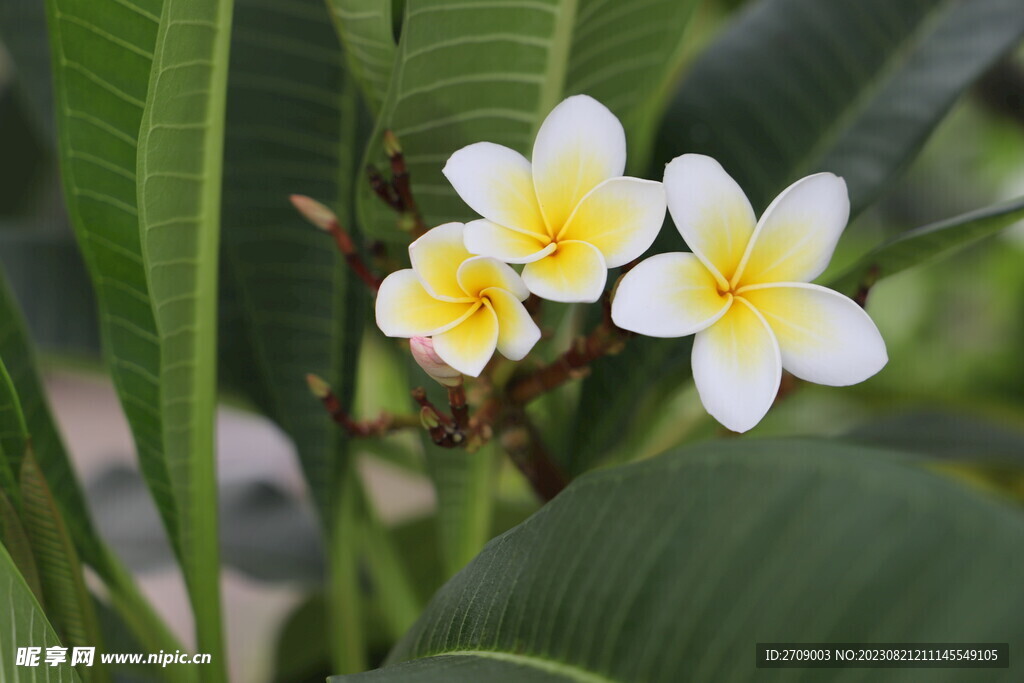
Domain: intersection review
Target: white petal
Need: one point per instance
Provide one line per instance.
(497, 183)
(668, 295)
(579, 145)
(737, 367)
(824, 336)
(490, 239)
(436, 257)
(468, 346)
(575, 272)
(405, 309)
(517, 332)
(621, 217)
(481, 272)
(795, 238)
(710, 211)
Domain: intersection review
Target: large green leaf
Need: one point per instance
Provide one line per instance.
(928, 243)
(472, 70)
(366, 28)
(179, 183)
(848, 86)
(68, 602)
(672, 569)
(102, 56)
(291, 129)
(627, 55)
(23, 624)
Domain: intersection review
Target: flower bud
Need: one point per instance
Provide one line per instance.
(391, 146)
(315, 212)
(425, 356)
(317, 386)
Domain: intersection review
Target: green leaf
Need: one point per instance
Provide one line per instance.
(628, 55)
(14, 538)
(102, 56)
(850, 86)
(291, 116)
(68, 602)
(13, 434)
(472, 70)
(23, 624)
(717, 547)
(464, 485)
(52, 459)
(19, 361)
(609, 397)
(179, 183)
(366, 29)
(945, 435)
(928, 243)
(985, 451)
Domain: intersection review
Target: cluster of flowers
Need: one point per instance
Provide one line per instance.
(570, 215)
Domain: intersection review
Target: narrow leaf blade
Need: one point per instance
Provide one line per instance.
(928, 243)
(60, 572)
(179, 184)
(830, 99)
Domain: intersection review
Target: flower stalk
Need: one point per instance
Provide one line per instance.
(383, 425)
(326, 220)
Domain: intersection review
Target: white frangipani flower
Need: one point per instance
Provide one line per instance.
(571, 215)
(468, 305)
(744, 293)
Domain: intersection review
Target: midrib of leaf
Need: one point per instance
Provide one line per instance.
(179, 172)
(840, 124)
(370, 51)
(569, 671)
(107, 225)
(553, 86)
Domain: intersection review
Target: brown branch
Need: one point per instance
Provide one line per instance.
(870, 278)
(606, 339)
(444, 431)
(522, 441)
(410, 218)
(460, 409)
(325, 219)
(383, 425)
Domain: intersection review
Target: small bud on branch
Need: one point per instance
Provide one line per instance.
(326, 220)
(383, 425)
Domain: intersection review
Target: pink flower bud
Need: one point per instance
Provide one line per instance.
(425, 356)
